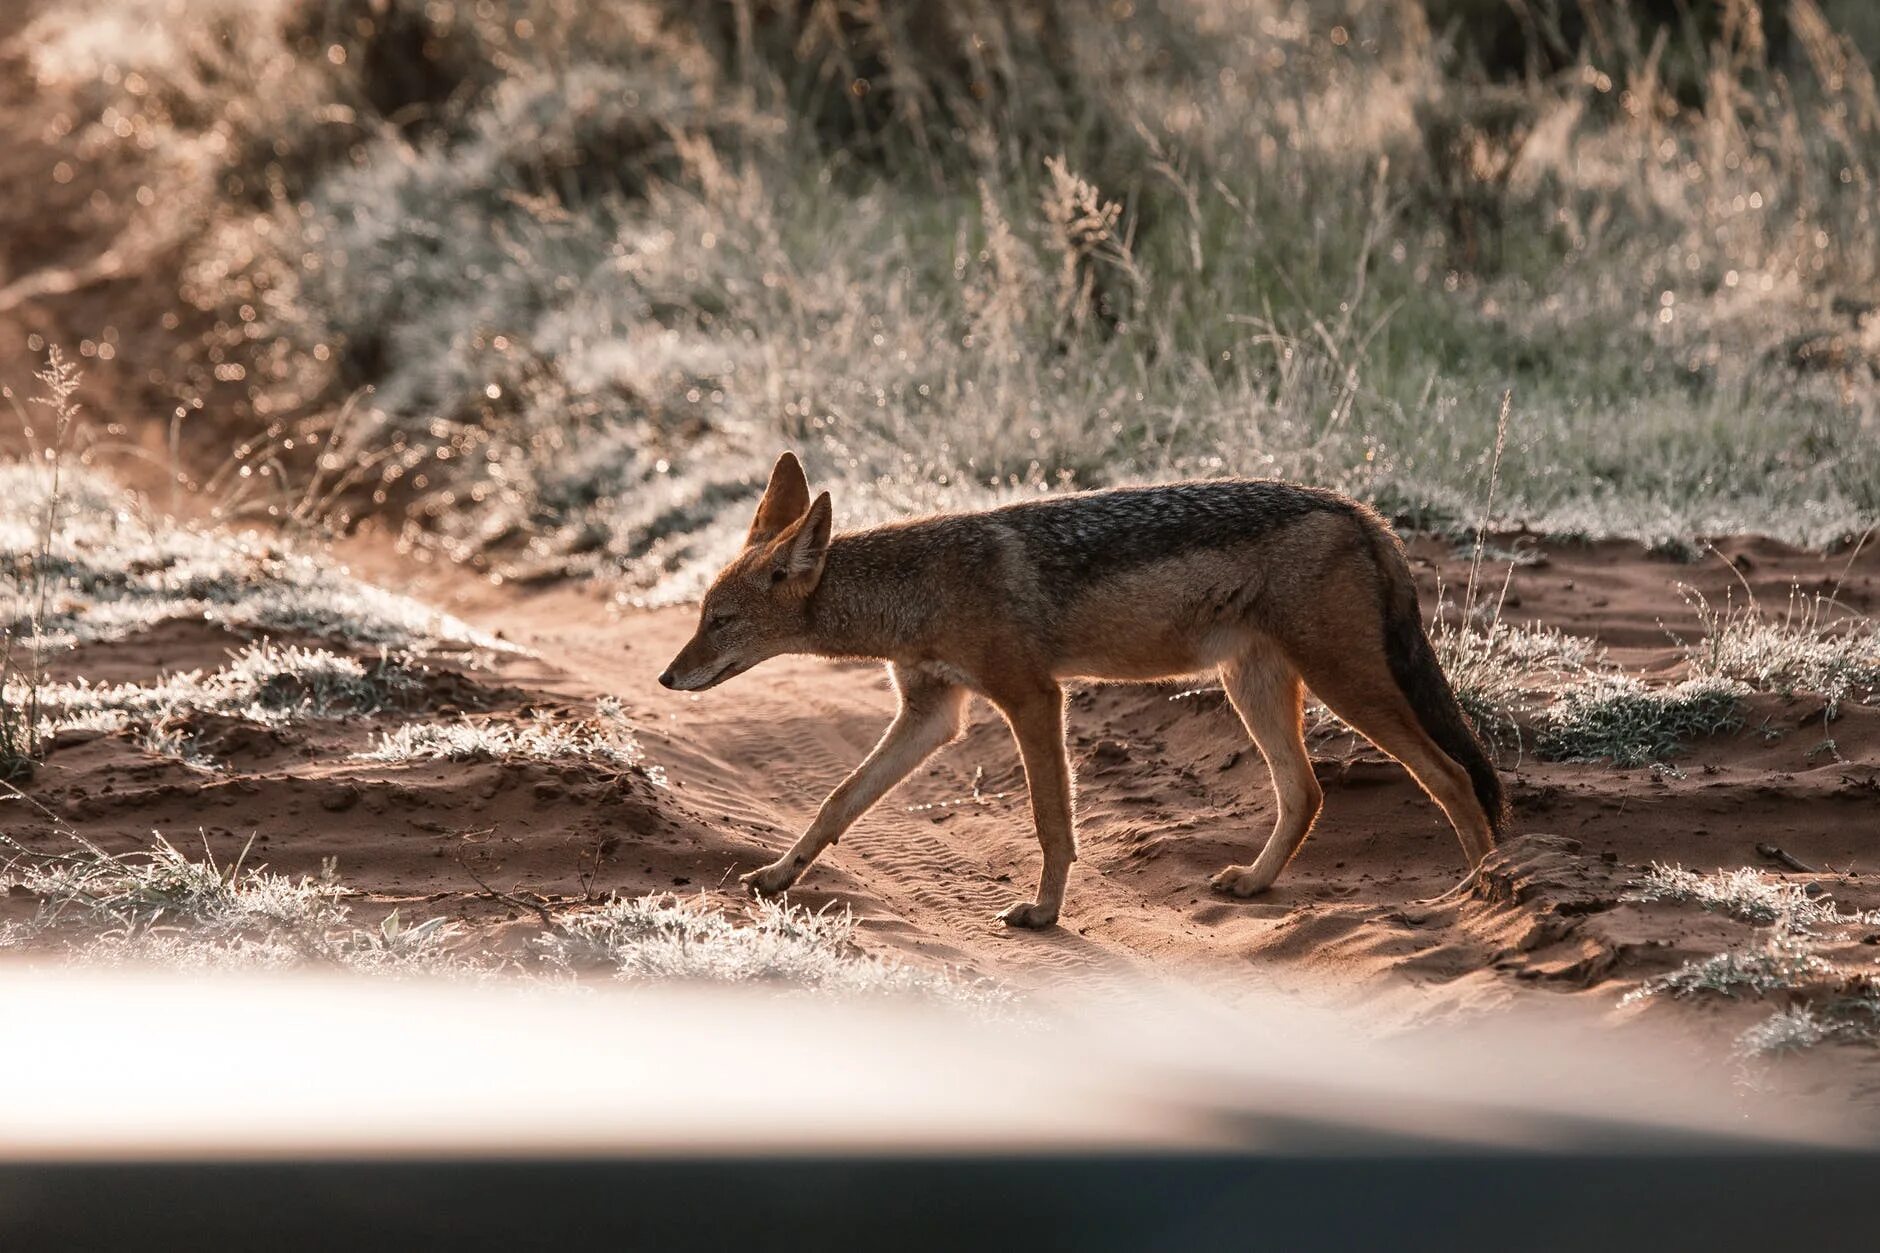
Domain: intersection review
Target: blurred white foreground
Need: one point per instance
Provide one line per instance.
(128, 1064)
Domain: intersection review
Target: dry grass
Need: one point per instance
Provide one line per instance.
(1813, 646)
(1622, 719)
(606, 739)
(596, 264)
(161, 907)
(1746, 894)
(1826, 999)
(112, 566)
(30, 574)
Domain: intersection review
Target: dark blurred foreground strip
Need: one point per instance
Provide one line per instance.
(156, 1111)
(1390, 1201)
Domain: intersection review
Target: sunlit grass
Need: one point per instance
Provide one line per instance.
(114, 568)
(1743, 893)
(264, 684)
(665, 938)
(158, 906)
(606, 740)
(1811, 646)
(1828, 1001)
(1781, 964)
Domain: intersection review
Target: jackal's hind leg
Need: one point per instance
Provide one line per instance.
(1266, 692)
(931, 714)
(1372, 703)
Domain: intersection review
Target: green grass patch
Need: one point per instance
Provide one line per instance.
(1621, 719)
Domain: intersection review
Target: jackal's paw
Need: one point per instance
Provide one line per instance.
(1028, 915)
(1241, 881)
(770, 880)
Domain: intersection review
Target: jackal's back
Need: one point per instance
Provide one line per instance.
(1080, 539)
(1057, 569)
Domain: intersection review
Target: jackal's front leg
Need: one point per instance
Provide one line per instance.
(930, 715)
(1037, 719)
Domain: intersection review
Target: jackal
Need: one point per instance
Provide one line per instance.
(1278, 587)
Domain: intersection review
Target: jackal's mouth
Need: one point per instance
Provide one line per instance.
(730, 670)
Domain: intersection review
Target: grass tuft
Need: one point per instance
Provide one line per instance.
(1810, 647)
(664, 938)
(158, 906)
(1503, 672)
(1848, 1012)
(1743, 893)
(1618, 718)
(1784, 963)
(1790, 1030)
(605, 739)
(135, 893)
(114, 569)
(265, 683)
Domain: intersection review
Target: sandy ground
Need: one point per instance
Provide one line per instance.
(1170, 791)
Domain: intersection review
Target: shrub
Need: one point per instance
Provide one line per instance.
(1618, 718)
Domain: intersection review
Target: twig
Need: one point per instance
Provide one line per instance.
(1488, 509)
(541, 910)
(1784, 859)
(8, 786)
(588, 878)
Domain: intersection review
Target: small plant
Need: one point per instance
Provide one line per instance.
(664, 938)
(1849, 1012)
(1743, 893)
(1500, 672)
(134, 893)
(1085, 230)
(1808, 648)
(1784, 963)
(395, 943)
(168, 737)
(31, 574)
(1618, 718)
(264, 683)
(1787, 1031)
(605, 739)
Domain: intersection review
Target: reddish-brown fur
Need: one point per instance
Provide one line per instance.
(1280, 588)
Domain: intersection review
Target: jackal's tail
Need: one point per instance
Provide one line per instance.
(1413, 664)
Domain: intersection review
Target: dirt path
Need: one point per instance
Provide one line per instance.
(1170, 791)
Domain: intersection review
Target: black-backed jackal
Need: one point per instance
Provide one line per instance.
(1279, 587)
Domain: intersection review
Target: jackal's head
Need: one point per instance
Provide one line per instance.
(757, 607)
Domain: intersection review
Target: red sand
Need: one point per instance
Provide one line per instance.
(1170, 791)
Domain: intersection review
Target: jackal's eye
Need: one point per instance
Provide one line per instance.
(717, 620)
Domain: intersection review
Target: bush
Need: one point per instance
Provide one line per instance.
(595, 263)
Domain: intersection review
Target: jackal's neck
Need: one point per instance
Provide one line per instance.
(865, 604)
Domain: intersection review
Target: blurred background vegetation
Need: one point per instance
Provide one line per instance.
(545, 283)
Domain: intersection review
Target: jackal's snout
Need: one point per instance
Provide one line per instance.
(699, 665)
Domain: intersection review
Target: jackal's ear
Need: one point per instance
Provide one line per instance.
(801, 549)
(785, 500)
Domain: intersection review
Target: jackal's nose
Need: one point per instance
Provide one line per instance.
(666, 679)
